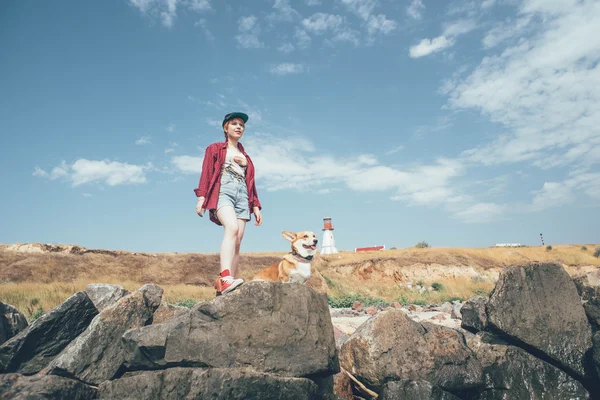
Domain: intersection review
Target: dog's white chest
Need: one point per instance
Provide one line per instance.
(301, 273)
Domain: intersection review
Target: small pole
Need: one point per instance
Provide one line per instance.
(541, 237)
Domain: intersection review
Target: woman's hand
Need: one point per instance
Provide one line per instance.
(257, 216)
(199, 209)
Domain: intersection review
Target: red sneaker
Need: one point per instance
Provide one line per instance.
(226, 283)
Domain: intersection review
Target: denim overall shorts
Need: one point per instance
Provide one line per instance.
(234, 193)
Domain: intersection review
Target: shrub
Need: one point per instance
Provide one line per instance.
(422, 245)
(481, 292)
(37, 313)
(583, 248)
(188, 303)
(420, 283)
(393, 248)
(597, 252)
(437, 286)
(347, 300)
(548, 248)
(420, 303)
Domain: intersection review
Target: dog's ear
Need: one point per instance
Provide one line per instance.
(289, 236)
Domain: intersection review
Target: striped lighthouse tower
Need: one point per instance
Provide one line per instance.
(328, 246)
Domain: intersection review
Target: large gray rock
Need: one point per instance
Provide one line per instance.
(588, 287)
(474, 315)
(12, 321)
(538, 305)
(37, 387)
(414, 390)
(166, 312)
(104, 295)
(33, 349)
(390, 346)
(98, 353)
(512, 373)
(596, 353)
(272, 327)
(207, 383)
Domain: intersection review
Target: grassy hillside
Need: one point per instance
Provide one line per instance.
(36, 282)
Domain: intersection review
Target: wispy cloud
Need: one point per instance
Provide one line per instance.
(166, 10)
(171, 128)
(395, 150)
(188, 164)
(143, 140)
(248, 33)
(283, 12)
(415, 8)
(85, 171)
(373, 23)
(320, 23)
(202, 23)
(287, 69)
(448, 38)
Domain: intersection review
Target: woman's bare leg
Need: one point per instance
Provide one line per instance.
(229, 220)
(236, 257)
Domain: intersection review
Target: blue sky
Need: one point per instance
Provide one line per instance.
(460, 123)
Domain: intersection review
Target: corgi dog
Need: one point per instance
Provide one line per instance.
(295, 266)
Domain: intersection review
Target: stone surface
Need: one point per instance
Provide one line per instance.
(35, 347)
(207, 383)
(273, 327)
(37, 387)
(104, 295)
(414, 390)
(98, 353)
(538, 305)
(390, 346)
(588, 287)
(12, 321)
(474, 315)
(166, 312)
(512, 373)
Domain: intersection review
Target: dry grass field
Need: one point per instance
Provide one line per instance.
(37, 282)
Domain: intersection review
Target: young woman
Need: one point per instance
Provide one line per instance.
(227, 190)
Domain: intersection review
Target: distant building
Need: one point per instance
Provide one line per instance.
(328, 246)
(508, 245)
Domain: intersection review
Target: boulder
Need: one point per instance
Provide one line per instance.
(473, 313)
(342, 386)
(596, 353)
(104, 295)
(512, 373)
(414, 390)
(12, 321)
(167, 311)
(538, 305)
(21, 387)
(207, 383)
(273, 327)
(390, 346)
(456, 310)
(98, 353)
(33, 349)
(588, 287)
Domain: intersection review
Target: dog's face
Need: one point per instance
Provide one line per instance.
(303, 242)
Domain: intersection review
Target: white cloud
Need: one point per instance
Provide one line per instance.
(86, 171)
(302, 38)
(481, 213)
(415, 8)
(214, 122)
(428, 46)
(379, 23)
(541, 90)
(188, 164)
(166, 10)
(286, 48)
(249, 31)
(287, 69)
(169, 150)
(203, 24)
(487, 3)
(284, 11)
(447, 39)
(506, 30)
(143, 140)
(86, 194)
(319, 23)
(362, 8)
(171, 128)
(395, 150)
(552, 194)
(311, 3)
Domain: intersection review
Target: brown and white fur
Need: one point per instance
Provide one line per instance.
(295, 266)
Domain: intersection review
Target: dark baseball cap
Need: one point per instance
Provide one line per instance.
(233, 115)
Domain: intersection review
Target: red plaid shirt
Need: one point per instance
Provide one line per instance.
(210, 179)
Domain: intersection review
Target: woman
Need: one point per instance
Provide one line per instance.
(227, 190)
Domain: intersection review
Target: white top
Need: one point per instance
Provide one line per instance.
(236, 161)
